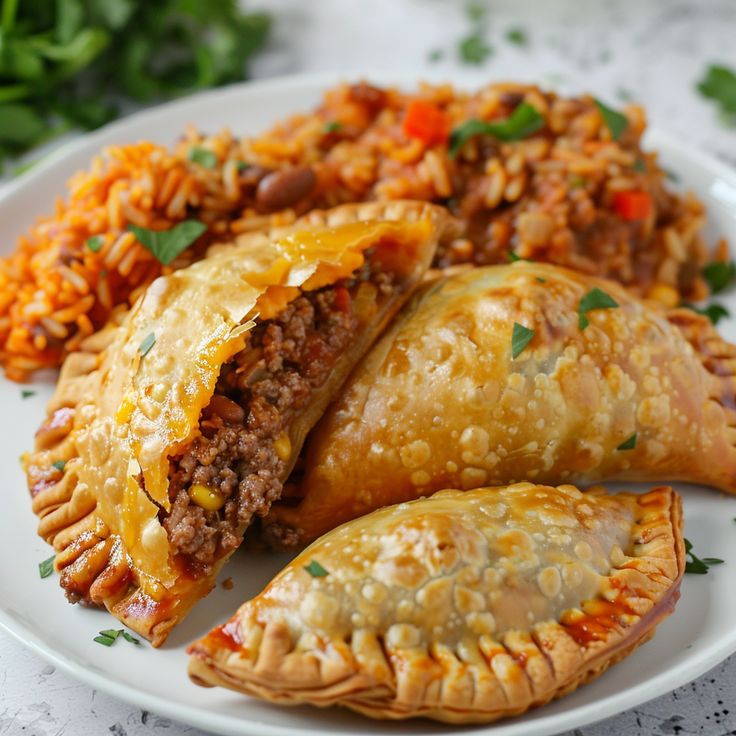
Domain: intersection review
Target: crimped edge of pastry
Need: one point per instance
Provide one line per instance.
(93, 564)
(590, 639)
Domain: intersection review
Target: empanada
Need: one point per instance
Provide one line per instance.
(160, 450)
(639, 393)
(464, 607)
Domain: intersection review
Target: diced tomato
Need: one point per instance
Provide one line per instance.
(342, 299)
(427, 122)
(633, 204)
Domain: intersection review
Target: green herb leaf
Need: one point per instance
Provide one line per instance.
(639, 165)
(20, 125)
(26, 393)
(694, 564)
(715, 312)
(473, 49)
(148, 342)
(523, 122)
(719, 84)
(513, 257)
(615, 121)
(95, 243)
(435, 55)
(476, 12)
(46, 567)
(628, 444)
(166, 245)
(719, 275)
(520, 337)
(59, 465)
(203, 157)
(541, 280)
(316, 570)
(332, 126)
(595, 299)
(111, 633)
(106, 641)
(517, 36)
(130, 638)
(242, 165)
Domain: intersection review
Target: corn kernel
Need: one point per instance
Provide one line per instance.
(664, 294)
(282, 445)
(207, 498)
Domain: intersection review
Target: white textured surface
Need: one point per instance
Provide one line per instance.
(654, 50)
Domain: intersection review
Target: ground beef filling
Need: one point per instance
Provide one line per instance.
(234, 470)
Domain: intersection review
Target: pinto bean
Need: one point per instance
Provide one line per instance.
(226, 409)
(281, 189)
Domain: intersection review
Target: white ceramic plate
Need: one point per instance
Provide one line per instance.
(700, 634)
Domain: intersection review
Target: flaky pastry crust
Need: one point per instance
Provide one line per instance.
(641, 393)
(464, 607)
(119, 412)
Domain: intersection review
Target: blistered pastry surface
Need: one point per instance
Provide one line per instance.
(440, 401)
(133, 409)
(465, 607)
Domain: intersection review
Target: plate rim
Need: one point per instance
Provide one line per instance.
(579, 716)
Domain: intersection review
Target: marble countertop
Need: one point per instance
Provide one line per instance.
(652, 51)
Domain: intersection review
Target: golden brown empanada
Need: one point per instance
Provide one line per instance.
(160, 450)
(441, 402)
(464, 607)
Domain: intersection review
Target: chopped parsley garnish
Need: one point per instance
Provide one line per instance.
(523, 122)
(624, 94)
(671, 175)
(715, 312)
(109, 636)
(59, 465)
(595, 299)
(520, 337)
(694, 564)
(242, 165)
(640, 165)
(46, 567)
(615, 121)
(513, 257)
(203, 157)
(541, 280)
(476, 12)
(628, 444)
(332, 126)
(719, 275)
(719, 84)
(130, 638)
(473, 49)
(517, 36)
(95, 243)
(168, 244)
(316, 570)
(26, 393)
(577, 181)
(435, 55)
(148, 342)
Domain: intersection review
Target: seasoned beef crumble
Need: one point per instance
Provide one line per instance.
(243, 450)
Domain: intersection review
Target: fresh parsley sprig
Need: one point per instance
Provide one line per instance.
(166, 245)
(108, 637)
(595, 299)
(696, 565)
(521, 336)
(524, 121)
(316, 570)
(68, 63)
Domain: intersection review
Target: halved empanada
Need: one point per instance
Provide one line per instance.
(464, 607)
(639, 393)
(160, 450)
